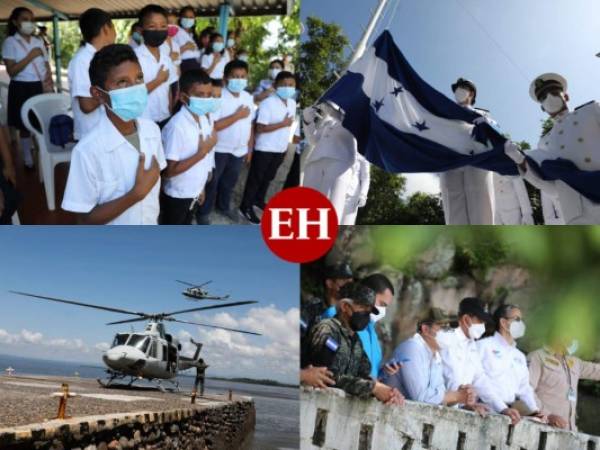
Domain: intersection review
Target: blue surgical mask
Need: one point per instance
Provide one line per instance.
(237, 85)
(216, 104)
(243, 58)
(286, 92)
(230, 43)
(218, 47)
(200, 105)
(187, 22)
(128, 103)
(137, 37)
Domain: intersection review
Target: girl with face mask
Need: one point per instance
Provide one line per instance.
(266, 86)
(214, 62)
(187, 39)
(27, 66)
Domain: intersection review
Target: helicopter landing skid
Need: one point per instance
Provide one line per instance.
(156, 382)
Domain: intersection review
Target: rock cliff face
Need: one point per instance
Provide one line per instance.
(331, 420)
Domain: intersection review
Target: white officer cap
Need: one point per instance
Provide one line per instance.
(545, 81)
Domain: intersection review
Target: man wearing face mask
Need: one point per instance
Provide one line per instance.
(334, 343)
(384, 295)
(506, 366)
(574, 137)
(461, 359)
(554, 374)
(420, 377)
(467, 192)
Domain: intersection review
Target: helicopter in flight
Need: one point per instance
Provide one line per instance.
(152, 354)
(196, 292)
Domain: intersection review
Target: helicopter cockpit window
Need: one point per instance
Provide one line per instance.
(139, 341)
(120, 339)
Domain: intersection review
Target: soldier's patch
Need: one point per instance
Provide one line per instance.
(331, 344)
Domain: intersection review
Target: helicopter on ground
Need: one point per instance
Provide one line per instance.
(196, 292)
(152, 354)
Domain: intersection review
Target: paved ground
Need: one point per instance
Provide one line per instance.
(27, 399)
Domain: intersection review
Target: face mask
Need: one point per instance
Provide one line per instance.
(172, 30)
(218, 47)
(187, 22)
(230, 43)
(517, 329)
(381, 315)
(27, 28)
(137, 37)
(273, 73)
(461, 95)
(572, 349)
(237, 85)
(154, 38)
(200, 106)
(286, 92)
(243, 58)
(128, 103)
(216, 105)
(476, 330)
(360, 320)
(553, 104)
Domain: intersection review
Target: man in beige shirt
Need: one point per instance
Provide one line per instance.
(554, 374)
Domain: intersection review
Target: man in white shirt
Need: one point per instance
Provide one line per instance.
(115, 169)
(97, 31)
(506, 366)
(273, 130)
(234, 123)
(461, 359)
(158, 68)
(420, 377)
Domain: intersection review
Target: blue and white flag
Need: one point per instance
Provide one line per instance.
(403, 125)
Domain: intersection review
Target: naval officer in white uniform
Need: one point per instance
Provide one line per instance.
(575, 136)
(512, 204)
(467, 192)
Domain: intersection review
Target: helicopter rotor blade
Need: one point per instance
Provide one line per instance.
(141, 319)
(186, 283)
(202, 308)
(210, 297)
(204, 284)
(214, 326)
(87, 305)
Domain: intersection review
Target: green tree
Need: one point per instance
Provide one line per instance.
(422, 209)
(384, 203)
(321, 59)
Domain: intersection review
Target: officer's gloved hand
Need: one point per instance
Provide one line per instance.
(513, 151)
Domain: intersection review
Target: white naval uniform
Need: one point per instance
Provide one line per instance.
(512, 205)
(468, 193)
(328, 168)
(358, 189)
(506, 367)
(551, 210)
(575, 136)
(462, 365)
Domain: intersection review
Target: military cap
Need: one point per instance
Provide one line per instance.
(545, 82)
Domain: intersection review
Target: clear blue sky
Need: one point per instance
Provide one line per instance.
(442, 42)
(135, 268)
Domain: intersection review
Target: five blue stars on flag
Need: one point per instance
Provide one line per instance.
(421, 126)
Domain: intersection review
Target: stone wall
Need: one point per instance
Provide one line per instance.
(330, 420)
(222, 427)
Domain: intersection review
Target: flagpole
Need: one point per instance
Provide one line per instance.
(362, 44)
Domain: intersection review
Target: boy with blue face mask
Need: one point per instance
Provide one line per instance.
(114, 176)
(234, 124)
(188, 139)
(273, 135)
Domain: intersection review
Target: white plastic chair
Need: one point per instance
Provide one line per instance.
(46, 106)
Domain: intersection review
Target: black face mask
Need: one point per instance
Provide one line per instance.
(154, 38)
(360, 320)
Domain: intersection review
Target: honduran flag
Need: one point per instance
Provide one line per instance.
(403, 125)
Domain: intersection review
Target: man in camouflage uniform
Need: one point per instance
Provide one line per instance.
(334, 343)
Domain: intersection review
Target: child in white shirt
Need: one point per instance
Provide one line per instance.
(214, 63)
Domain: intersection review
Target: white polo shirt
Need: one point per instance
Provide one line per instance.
(158, 100)
(273, 110)
(506, 367)
(167, 49)
(12, 48)
(234, 139)
(180, 137)
(183, 37)
(219, 70)
(79, 82)
(104, 166)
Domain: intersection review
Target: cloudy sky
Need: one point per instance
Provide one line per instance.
(135, 269)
